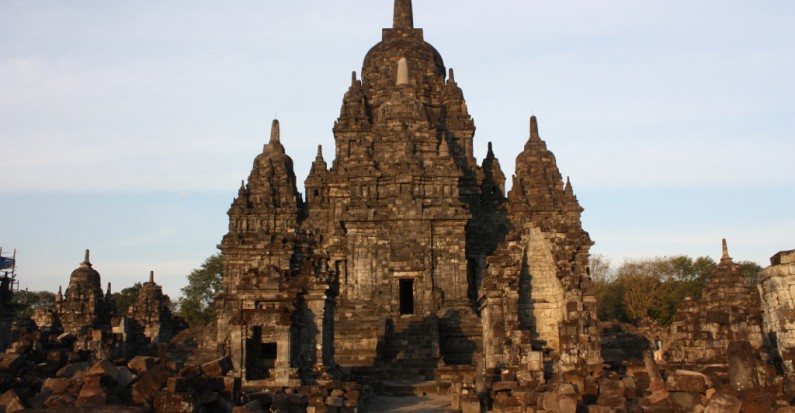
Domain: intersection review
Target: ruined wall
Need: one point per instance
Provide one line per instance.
(777, 290)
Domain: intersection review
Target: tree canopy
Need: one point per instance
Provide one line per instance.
(652, 288)
(197, 303)
(126, 298)
(26, 302)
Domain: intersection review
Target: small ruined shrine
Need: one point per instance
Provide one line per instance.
(406, 255)
(84, 307)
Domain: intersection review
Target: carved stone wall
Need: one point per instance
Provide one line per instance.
(777, 290)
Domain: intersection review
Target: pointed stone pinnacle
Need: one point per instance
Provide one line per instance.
(490, 153)
(152, 277)
(534, 128)
(450, 75)
(320, 152)
(725, 257)
(275, 133)
(86, 261)
(404, 15)
(353, 78)
(109, 290)
(402, 72)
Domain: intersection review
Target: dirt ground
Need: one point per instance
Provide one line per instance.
(426, 404)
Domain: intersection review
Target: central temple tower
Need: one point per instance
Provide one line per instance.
(405, 254)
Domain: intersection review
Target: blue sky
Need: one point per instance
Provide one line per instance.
(127, 126)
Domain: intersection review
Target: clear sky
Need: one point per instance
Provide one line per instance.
(127, 126)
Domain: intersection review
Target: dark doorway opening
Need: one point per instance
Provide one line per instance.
(260, 357)
(406, 297)
(268, 354)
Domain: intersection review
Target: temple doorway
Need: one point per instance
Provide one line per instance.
(406, 296)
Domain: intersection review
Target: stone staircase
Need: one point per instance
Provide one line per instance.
(357, 331)
(461, 335)
(410, 351)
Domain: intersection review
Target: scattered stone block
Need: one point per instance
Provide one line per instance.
(218, 367)
(70, 370)
(11, 362)
(141, 364)
(11, 402)
(56, 385)
(186, 402)
(92, 393)
(145, 389)
(683, 381)
(723, 403)
(686, 402)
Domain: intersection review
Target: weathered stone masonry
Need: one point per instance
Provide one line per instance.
(405, 255)
(777, 290)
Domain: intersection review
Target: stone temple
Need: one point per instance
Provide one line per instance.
(406, 257)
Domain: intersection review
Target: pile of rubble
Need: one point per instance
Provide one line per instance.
(644, 388)
(147, 383)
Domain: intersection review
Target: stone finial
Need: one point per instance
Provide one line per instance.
(59, 295)
(568, 188)
(725, 257)
(353, 78)
(109, 289)
(404, 15)
(319, 152)
(151, 277)
(403, 72)
(450, 75)
(534, 128)
(490, 152)
(86, 261)
(275, 133)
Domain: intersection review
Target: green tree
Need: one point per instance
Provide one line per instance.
(609, 294)
(126, 298)
(27, 302)
(197, 303)
(650, 288)
(750, 271)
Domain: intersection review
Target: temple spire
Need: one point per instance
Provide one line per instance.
(404, 16)
(725, 257)
(86, 262)
(275, 133)
(568, 188)
(151, 277)
(534, 129)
